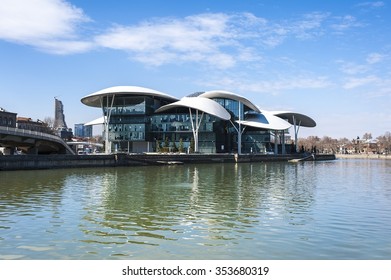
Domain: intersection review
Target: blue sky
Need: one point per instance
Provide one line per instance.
(327, 59)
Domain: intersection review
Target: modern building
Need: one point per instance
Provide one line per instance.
(138, 119)
(82, 130)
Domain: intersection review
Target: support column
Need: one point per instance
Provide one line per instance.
(195, 125)
(106, 121)
(296, 129)
(239, 131)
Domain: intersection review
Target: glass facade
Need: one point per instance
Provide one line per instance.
(177, 127)
(134, 127)
(82, 130)
(130, 120)
(257, 142)
(232, 106)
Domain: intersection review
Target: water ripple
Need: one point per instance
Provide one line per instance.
(335, 210)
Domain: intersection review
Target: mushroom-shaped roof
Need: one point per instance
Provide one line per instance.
(229, 95)
(199, 103)
(265, 120)
(97, 121)
(94, 98)
(300, 119)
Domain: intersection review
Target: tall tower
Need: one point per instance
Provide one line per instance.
(59, 117)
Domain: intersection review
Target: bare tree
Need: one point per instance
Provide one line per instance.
(343, 145)
(367, 136)
(384, 143)
(49, 121)
(328, 145)
(309, 144)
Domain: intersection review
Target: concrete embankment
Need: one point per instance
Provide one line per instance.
(362, 156)
(29, 162)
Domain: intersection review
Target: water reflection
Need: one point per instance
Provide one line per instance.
(263, 210)
(207, 205)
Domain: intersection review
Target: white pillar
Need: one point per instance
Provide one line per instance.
(106, 121)
(296, 129)
(239, 131)
(195, 127)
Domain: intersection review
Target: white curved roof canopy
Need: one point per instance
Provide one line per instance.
(229, 95)
(265, 121)
(97, 121)
(292, 117)
(199, 103)
(94, 99)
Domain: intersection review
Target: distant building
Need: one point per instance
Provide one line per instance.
(60, 127)
(29, 124)
(59, 117)
(83, 131)
(7, 118)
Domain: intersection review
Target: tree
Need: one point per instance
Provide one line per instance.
(181, 147)
(49, 121)
(343, 145)
(384, 142)
(174, 148)
(309, 143)
(192, 144)
(367, 136)
(157, 146)
(328, 145)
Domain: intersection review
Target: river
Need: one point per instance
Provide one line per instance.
(311, 210)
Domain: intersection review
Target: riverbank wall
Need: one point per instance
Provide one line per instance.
(362, 156)
(32, 162)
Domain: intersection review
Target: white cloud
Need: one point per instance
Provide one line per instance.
(381, 88)
(353, 82)
(217, 39)
(352, 68)
(168, 40)
(64, 47)
(270, 86)
(42, 23)
(369, 76)
(292, 83)
(214, 39)
(373, 58)
(309, 26)
(344, 23)
(376, 4)
(192, 39)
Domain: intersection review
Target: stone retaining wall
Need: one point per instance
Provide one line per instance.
(26, 162)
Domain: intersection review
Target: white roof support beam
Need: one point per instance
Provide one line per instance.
(106, 120)
(195, 125)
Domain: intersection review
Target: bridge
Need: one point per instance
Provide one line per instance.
(32, 142)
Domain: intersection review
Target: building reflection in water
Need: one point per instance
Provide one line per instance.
(211, 211)
(203, 205)
(177, 210)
